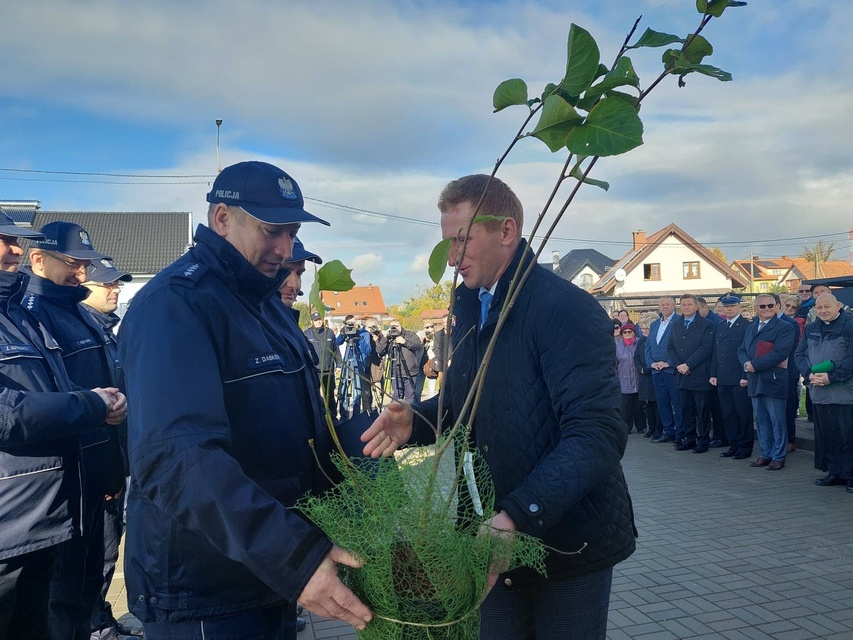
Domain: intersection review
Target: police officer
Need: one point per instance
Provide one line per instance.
(59, 265)
(39, 459)
(227, 431)
(104, 283)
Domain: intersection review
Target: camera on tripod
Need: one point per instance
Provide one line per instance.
(349, 329)
(393, 331)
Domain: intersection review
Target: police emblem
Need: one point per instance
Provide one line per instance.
(84, 238)
(107, 263)
(285, 186)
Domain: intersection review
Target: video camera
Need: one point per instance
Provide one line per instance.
(394, 331)
(349, 329)
(374, 328)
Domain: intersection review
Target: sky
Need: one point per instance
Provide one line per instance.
(374, 106)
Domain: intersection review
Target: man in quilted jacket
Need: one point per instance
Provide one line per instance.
(547, 424)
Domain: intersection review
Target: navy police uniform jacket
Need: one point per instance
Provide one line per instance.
(39, 464)
(548, 422)
(225, 433)
(89, 365)
(725, 365)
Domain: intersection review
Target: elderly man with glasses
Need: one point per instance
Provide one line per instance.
(59, 264)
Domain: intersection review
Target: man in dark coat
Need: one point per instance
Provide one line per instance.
(547, 425)
(689, 349)
(764, 355)
(729, 378)
(402, 350)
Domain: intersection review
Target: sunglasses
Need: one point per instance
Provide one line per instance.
(804, 290)
(765, 306)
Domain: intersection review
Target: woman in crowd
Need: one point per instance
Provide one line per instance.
(645, 385)
(790, 307)
(632, 411)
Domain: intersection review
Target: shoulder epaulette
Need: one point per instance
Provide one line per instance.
(189, 274)
(31, 302)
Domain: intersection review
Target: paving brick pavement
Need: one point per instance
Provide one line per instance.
(726, 551)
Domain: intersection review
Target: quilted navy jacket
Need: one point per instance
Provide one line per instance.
(39, 462)
(225, 432)
(548, 424)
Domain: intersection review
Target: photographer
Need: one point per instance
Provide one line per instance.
(400, 348)
(355, 368)
(427, 375)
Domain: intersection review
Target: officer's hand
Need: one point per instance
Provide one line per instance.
(327, 596)
(501, 527)
(713, 381)
(108, 396)
(118, 414)
(400, 340)
(389, 431)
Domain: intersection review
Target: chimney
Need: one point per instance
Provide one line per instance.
(555, 259)
(639, 239)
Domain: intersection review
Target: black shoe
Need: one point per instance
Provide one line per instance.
(299, 609)
(728, 453)
(716, 444)
(648, 434)
(700, 449)
(301, 623)
(684, 445)
(661, 438)
(742, 455)
(830, 480)
(124, 630)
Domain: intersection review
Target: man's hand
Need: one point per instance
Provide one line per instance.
(389, 431)
(115, 402)
(660, 364)
(748, 367)
(683, 369)
(400, 340)
(327, 596)
(744, 383)
(500, 526)
(819, 379)
(713, 381)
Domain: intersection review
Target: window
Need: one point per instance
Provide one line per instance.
(364, 302)
(691, 270)
(356, 303)
(651, 271)
(586, 280)
(338, 303)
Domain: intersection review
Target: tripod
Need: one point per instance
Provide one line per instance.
(353, 391)
(397, 373)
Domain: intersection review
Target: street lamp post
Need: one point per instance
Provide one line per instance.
(218, 161)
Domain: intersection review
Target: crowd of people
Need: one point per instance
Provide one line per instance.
(706, 378)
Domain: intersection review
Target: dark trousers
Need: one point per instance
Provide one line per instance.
(718, 425)
(102, 616)
(275, 623)
(737, 416)
(696, 413)
(78, 576)
(791, 410)
(835, 423)
(650, 409)
(632, 412)
(669, 406)
(548, 609)
(24, 588)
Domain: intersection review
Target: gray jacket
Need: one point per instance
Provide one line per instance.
(829, 341)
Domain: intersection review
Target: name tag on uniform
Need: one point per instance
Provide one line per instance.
(264, 360)
(18, 350)
(85, 342)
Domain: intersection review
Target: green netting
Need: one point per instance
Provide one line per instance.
(425, 567)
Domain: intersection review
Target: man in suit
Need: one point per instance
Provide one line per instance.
(689, 349)
(792, 402)
(727, 374)
(663, 373)
(764, 354)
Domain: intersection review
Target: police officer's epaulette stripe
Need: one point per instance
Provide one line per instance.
(189, 273)
(31, 302)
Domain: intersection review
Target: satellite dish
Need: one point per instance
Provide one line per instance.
(620, 275)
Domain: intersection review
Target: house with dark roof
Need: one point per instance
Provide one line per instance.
(763, 274)
(583, 267)
(668, 262)
(139, 242)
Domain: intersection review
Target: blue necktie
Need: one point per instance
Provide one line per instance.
(485, 303)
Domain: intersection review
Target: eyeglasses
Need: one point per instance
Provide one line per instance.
(108, 285)
(765, 306)
(628, 331)
(804, 290)
(73, 265)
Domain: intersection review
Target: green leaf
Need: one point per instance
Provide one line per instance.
(581, 62)
(557, 119)
(334, 276)
(602, 71)
(549, 89)
(708, 70)
(653, 38)
(612, 127)
(509, 94)
(314, 299)
(702, 6)
(623, 74)
(577, 174)
(697, 48)
(479, 219)
(438, 260)
(716, 7)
